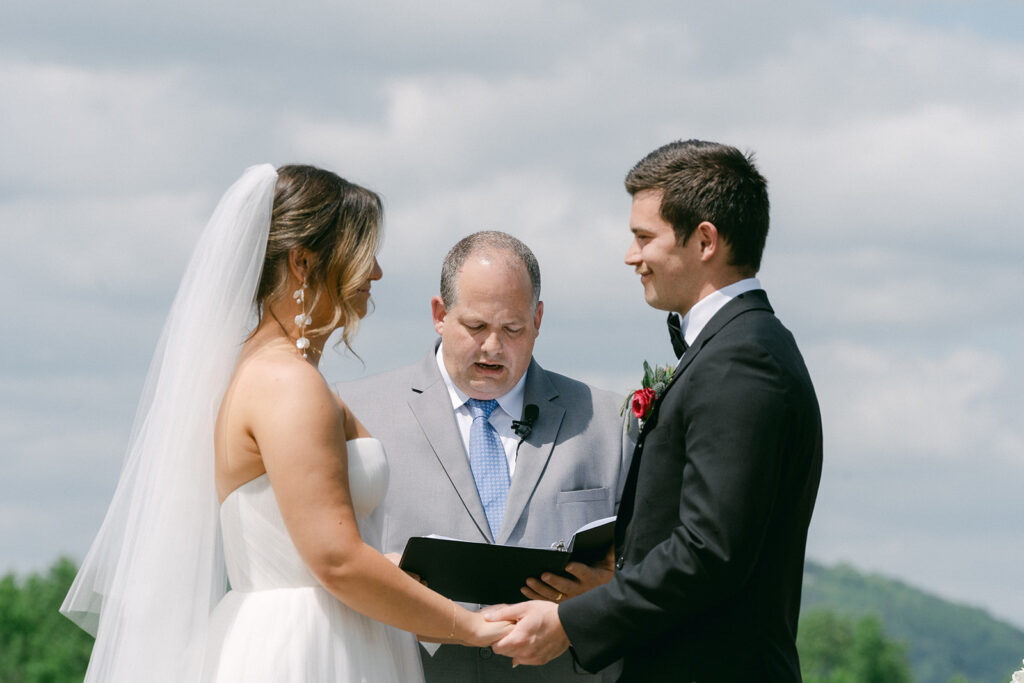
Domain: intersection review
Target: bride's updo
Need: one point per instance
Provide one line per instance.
(339, 222)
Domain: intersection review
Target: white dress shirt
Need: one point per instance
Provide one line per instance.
(510, 407)
(704, 310)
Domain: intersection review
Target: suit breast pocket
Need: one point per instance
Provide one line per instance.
(579, 507)
(573, 509)
(603, 494)
(576, 508)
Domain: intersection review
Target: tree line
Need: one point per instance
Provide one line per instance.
(39, 645)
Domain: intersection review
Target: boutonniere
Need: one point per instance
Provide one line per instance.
(654, 383)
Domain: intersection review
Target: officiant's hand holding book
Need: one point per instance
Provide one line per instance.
(581, 578)
(487, 574)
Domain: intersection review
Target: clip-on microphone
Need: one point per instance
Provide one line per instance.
(523, 427)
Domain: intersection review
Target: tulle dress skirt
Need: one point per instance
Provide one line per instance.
(277, 624)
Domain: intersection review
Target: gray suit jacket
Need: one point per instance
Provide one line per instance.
(569, 471)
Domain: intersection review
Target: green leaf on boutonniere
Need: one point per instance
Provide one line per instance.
(657, 380)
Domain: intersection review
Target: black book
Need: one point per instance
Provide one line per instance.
(489, 574)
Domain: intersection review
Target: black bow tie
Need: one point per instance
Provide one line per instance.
(675, 333)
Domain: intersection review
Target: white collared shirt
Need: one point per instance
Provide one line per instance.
(510, 407)
(704, 310)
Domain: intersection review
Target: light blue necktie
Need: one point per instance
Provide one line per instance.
(488, 462)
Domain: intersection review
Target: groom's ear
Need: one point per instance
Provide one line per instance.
(708, 240)
(439, 312)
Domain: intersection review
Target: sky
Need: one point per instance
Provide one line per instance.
(891, 134)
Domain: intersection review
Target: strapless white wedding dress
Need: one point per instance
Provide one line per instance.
(277, 623)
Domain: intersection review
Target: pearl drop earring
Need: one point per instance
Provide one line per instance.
(302, 319)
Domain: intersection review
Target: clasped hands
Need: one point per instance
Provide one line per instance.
(530, 632)
(537, 636)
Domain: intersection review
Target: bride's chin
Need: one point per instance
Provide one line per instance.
(362, 305)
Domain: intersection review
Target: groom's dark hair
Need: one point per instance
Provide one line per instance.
(707, 181)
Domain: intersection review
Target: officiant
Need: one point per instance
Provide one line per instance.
(486, 445)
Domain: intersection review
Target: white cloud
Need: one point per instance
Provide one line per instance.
(941, 175)
(118, 131)
(892, 293)
(880, 403)
(80, 128)
(128, 243)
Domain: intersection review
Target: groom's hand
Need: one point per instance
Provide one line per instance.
(537, 637)
(555, 588)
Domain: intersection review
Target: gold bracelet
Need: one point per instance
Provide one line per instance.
(452, 634)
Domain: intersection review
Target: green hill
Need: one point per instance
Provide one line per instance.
(943, 639)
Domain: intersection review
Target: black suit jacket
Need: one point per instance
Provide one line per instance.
(714, 515)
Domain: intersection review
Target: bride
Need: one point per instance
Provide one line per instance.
(242, 416)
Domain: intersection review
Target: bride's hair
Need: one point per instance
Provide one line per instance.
(339, 222)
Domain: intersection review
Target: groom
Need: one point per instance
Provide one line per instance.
(713, 521)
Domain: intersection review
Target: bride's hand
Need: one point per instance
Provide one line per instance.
(482, 633)
(489, 609)
(474, 630)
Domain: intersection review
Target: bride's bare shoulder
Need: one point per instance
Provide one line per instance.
(279, 380)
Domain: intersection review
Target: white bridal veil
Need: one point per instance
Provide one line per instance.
(155, 570)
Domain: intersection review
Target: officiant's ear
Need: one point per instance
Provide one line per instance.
(300, 262)
(439, 313)
(538, 313)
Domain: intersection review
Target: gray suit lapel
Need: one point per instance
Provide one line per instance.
(432, 406)
(535, 451)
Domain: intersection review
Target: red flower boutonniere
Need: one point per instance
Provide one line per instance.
(655, 381)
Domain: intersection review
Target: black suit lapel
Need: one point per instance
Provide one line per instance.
(748, 301)
(753, 300)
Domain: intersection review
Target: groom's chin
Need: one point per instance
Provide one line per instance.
(654, 302)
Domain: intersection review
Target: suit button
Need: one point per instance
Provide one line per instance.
(620, 563)
(486, 652)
